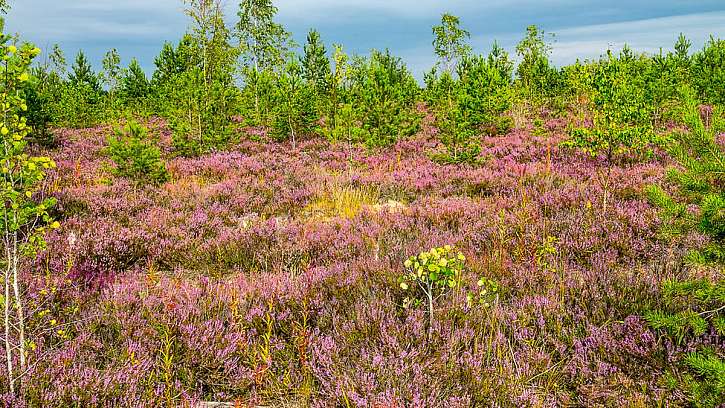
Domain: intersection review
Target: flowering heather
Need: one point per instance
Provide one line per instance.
(235, 282)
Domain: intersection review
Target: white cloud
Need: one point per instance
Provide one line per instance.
(314, 10)
(642, 35)
(85, 20)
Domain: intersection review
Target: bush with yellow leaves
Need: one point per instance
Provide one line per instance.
(429, 275)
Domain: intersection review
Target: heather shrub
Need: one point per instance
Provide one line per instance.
(276, 273)
(135, 155)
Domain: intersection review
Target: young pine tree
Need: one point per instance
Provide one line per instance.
(316, 69)
(193, 84)
(79, 105)
(82, 75)
(136, 156)
(534, 72)
(708, 71)
(134, 84)
(294, 112)
(701, 182)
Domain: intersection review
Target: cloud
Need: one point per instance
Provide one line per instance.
(646, 35)
(318, 10)
(85, 20)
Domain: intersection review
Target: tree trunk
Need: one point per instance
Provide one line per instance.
(8, 345)
(19, 306)
(430, 313)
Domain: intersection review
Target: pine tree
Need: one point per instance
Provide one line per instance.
(708, 71)
(682, 47)
(690, 311)
(294, 108)
(134, 84)
(316, 64)
(82, 74)
(499, 59)
(167, 65)
(701, 182)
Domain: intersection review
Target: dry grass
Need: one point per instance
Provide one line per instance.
(341, 200)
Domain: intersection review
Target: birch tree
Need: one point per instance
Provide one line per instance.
(25, 217)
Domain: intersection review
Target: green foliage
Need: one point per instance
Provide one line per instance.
(700, 180)
(483, 90)
(265, 43)
(316, 70)
(382, 93)
(472, 104)
(708, 389)
(295, 111)
(488, 294)
(265, 48)
(22, 173)
(535, 73)
(194, 83)
(172, 61)
(112, 74)
(136, 156)
(708, 71)
(341, 123)
(80, 99)
(43, 94)
(315, 64)
(25, 218)
(135, 87)
(82, 75)
(621, 110)
(449, 42)
(691, 309)
(430, 275)
(40, 114)
(371, 100)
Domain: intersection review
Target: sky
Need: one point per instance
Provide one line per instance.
(581, 28)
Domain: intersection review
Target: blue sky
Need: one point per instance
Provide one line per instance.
(582, 28)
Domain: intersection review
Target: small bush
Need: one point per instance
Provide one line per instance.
(430, 275)
(135, 156)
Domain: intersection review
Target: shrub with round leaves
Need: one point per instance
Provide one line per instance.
(431, 274)
(488, 293)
